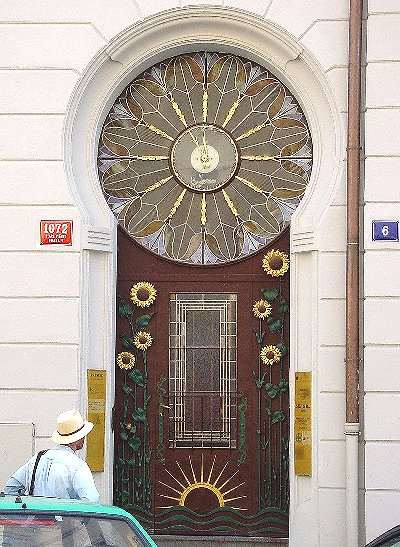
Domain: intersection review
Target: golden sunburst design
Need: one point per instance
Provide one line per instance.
(217, 486)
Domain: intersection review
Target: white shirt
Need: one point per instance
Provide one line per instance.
(60, 474)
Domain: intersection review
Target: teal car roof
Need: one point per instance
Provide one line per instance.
(51, 504)
(37, 503)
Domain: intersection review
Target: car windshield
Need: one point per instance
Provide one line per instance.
(60, 530)
(393, 542)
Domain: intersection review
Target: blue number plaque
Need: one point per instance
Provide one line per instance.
(385, 230)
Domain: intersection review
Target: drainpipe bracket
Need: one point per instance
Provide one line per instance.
(354, 148)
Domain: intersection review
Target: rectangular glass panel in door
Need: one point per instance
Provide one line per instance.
(202, 370)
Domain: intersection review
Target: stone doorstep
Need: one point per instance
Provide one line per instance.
(224, 541)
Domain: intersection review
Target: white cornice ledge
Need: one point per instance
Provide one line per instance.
(302, 242)
(95, 238)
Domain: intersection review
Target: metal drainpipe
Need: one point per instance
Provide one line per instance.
(352, 425)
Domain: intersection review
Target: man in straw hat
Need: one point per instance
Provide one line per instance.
(58, 472)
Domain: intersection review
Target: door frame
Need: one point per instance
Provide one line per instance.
(139, 46)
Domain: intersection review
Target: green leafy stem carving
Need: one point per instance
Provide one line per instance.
(162, 392)
(242, 408)
(134, 485)
(269, 392)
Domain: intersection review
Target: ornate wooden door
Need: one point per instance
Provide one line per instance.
(203, 158)
(201, 422)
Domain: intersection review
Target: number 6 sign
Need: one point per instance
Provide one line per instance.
(56, 232)
(386, 230)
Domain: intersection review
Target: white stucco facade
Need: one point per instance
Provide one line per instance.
(62, 64)
(382, 150)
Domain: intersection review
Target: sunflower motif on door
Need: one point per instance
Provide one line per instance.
(204, 157)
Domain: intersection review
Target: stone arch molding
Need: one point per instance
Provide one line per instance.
(187, 29)
(127, 55)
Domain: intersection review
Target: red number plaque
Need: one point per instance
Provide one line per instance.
(56, 232)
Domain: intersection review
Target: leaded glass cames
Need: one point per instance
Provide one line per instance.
(204, 157)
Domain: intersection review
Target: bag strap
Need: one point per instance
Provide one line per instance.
(32, 485)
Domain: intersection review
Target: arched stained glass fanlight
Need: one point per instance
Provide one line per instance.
(204, 157)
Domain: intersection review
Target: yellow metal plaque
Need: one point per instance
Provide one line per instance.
(96, 382)
(302, 425)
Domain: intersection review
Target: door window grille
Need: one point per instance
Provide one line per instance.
(203, 370)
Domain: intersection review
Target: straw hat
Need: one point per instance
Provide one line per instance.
(71, 427)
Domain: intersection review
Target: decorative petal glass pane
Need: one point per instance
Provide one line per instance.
(204, 157)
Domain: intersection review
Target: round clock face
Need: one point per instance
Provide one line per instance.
(204, 157)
